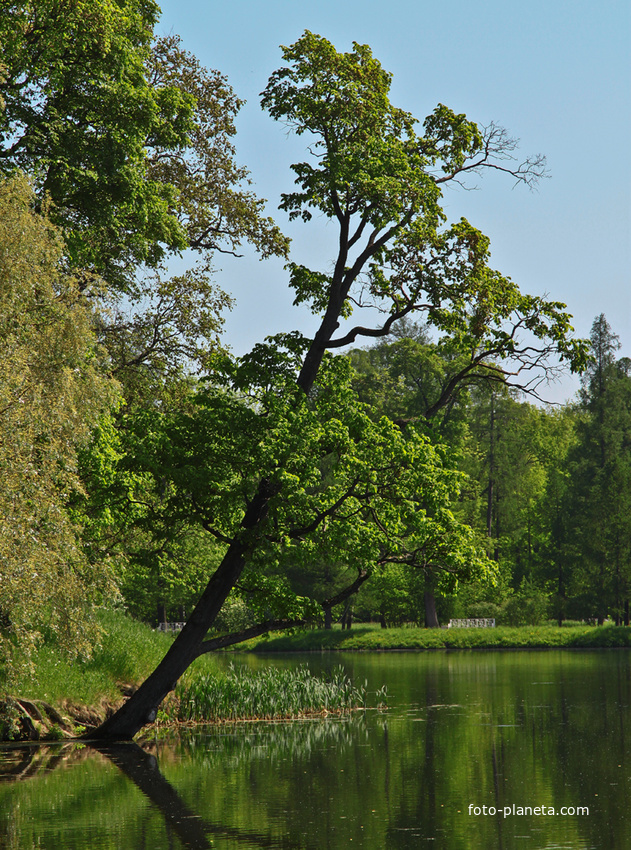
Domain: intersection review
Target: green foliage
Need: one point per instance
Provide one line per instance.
(235, 616)
(368, 156)
(53, 391)
(382, 184)
(599, 493)
(351, 490)
(527, 607)
(130, 139)
(398, 595)
(10, 717)
(214, 204)
(272, 456)
(126, 652)
(79, 113)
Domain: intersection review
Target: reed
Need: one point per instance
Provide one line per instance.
(269, 694)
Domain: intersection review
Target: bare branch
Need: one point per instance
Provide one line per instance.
(498, 149)
(253, 631)
(362, 576)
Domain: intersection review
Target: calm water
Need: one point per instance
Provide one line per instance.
(548, 729)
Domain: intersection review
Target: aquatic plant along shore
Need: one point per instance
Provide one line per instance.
(237, 695)
(269, 694)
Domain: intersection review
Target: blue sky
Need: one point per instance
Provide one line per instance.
(556, 74)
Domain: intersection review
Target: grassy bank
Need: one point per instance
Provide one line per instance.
(86, 691)
(128, 653)
(502, 637)
(61, 695)
(64, 697)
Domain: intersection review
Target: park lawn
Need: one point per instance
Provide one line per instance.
(501, 637)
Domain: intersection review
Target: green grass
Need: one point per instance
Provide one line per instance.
(128, 653)
(501, 637)
(130, 650)
(269, 694)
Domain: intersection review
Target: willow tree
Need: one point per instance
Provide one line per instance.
(53, 390)
(381, 183)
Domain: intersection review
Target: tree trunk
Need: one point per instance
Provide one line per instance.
(431, 617)
(342, 596)
(162, 615)
(561, 595)
(142, 707)
(347, 616)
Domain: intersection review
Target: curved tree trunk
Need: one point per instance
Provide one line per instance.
(142, 707)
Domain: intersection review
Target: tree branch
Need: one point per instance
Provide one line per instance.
(309, 529)
(253, 631)
(362, 576)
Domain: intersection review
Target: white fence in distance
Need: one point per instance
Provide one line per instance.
(472, 623)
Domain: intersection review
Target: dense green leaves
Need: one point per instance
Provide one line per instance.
(381, 182)
(350, 490)
(52, 393)
(131, 139)
(78, 114)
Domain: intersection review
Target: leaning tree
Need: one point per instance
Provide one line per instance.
(381, 183)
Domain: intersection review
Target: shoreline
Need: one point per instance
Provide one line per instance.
(403, 639)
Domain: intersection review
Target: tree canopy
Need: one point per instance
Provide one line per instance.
(278, 452)
(269, 488)
(129, 137)
(53, 391)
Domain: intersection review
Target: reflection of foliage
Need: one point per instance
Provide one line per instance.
(245, 744)
(511, 727)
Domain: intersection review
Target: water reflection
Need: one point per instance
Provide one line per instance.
(494, 730)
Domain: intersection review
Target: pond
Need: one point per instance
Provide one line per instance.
(477, 750)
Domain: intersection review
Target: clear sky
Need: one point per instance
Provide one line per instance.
(555, 73)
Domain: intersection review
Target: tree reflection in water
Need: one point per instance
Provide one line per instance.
(491, 729)
(141, 767)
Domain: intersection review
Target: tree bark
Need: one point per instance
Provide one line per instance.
(431, 617)
(343, 595)
(142, 707)
(162, 615)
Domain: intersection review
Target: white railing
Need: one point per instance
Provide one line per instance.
(170, 627)
(472, 623)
